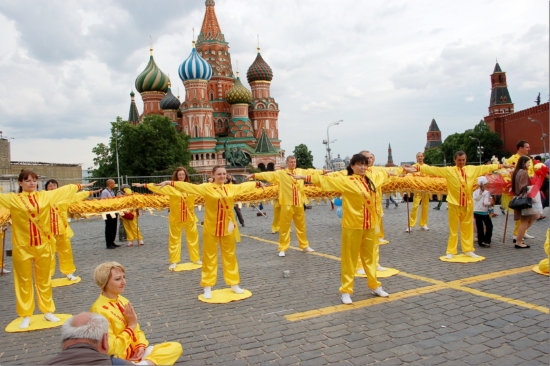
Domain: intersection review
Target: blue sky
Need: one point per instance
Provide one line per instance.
(385, 67)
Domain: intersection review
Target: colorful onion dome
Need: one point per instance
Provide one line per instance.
(238, 93)
(259, 70)
(195, 67)
(169, 101)
(152, 78)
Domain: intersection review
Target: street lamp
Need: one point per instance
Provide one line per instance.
(116, 151)
(329, 159)
(543, 134)
(479, 148)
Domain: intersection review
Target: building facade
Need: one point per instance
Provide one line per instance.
(218, 112)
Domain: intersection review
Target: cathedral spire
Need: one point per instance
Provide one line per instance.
(210, 31)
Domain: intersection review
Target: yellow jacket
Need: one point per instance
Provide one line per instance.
(182, 205)
(218, 202)
(358, 202)
(59, 223)
(30, 213)
(291, 191)
(123, 341)
(460, 181)
(513, 160)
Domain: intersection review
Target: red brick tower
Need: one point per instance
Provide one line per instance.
(213, 48)
(433, 136)
(500, 103)
(390, 158)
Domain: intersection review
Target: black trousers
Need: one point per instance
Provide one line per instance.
(110, 230)
(239, 214)
(484, 235)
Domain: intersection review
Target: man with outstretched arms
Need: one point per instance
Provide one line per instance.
(423, 198)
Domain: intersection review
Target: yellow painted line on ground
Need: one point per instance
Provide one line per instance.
(490, 276)
(363, 303)
(293, 248)
(421, 278)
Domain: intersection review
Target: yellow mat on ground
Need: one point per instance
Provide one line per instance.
(59, 282)
(537, 270)
(382, 274)
(383, 242)
(37, 323)
(186, 267)
(461, 258)
(225, 296)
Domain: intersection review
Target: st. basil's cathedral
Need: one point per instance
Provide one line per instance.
(218, 109)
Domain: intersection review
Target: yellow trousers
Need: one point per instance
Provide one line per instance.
(132, 229)
(460, 218)
(210, 259)
(376, 257)
(23, 259)
(358, 243)
(175, 230)
(380, 229)
(276, 217)
(64, 250)
(423, 198)
(289, 214)
(164, 353)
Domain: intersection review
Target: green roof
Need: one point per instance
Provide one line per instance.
(264, 145)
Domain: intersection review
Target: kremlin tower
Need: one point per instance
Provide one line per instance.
(217, 109)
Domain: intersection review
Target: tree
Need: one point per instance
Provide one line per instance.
(151, 147)
(433, 156)
(304, 158)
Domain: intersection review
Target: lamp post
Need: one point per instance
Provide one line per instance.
(329, 159)
(116, 151)
(479, 148)
(543, 134)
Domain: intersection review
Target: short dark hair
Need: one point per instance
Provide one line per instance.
(48, 183)
(24, 175)
(458, 153)
(521, 143)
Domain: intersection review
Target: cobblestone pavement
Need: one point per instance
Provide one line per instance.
(493, 312)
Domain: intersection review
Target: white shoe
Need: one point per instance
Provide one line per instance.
(172, 266)
(361, 271)
(51, 318)
(281, 254)
(425, 227)
(449, 256)
(236, 289)
(130, 244)
(207, 292)
(380, 292)
(197, 262)
(71, 277)
(5, 271)
(408, 230)
(381, 269)
(309, 249)
(527, 236)
(381, 240)
(141, 242)
(346, 299)
(25, 323)
(471, 255)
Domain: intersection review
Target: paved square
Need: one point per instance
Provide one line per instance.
(493, 312)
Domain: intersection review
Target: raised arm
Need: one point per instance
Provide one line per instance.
(166, 190)
(271, 177)
(5, 200)
(189, 188)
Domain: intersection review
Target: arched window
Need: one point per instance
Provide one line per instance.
(196, 131)
(211, 96)
(270, 167)
(261, 166)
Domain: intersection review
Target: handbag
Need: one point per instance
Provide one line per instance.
(520, 203)
(128, 216)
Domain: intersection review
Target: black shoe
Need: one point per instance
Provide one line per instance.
(116, 245)
(242, 224)
(519, 247)
(111, 247)
(485, 245)
(436, 208)
(514, 241)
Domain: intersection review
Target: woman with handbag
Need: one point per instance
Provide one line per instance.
(520, 186)
(130, 221)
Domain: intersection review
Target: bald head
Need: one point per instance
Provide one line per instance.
(110, 183)
(86, 327)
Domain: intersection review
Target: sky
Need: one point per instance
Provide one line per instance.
(384, 67)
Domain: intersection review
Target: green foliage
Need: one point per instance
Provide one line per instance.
(304, 158)
(491, 142)
(152, 147)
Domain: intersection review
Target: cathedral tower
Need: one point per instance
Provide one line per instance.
(152, 84)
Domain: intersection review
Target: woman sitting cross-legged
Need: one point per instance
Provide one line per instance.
(126, 339)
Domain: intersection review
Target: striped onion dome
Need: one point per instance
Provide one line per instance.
(195, 67)
(152, 78)
(259, 70)
(169, 101)
(238, 93)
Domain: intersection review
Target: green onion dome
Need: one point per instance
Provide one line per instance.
(238, 93)
(152, 78)
(259, 70)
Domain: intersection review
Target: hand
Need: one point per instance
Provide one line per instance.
(165, 183)
(326, 171)
(138, 354)
(139, 185)
(130, 316)
(295, 176)
(96, 191)
(88, 184)
(249, 176)
(506, 166)
(261, 185)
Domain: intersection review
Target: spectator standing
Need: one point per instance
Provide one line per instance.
(482, 202)
(110, 222)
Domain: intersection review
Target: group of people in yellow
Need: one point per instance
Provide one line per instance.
(40, 228)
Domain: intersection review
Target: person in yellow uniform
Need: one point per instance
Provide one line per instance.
(419, 198)
(291, 201)
(220, 227)
(126, 339)
(522, 150)
(130, 221)
(32, 243)
(181, 218)
(358, 223)
(543, 264)
(460, 182)
(59, 226)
